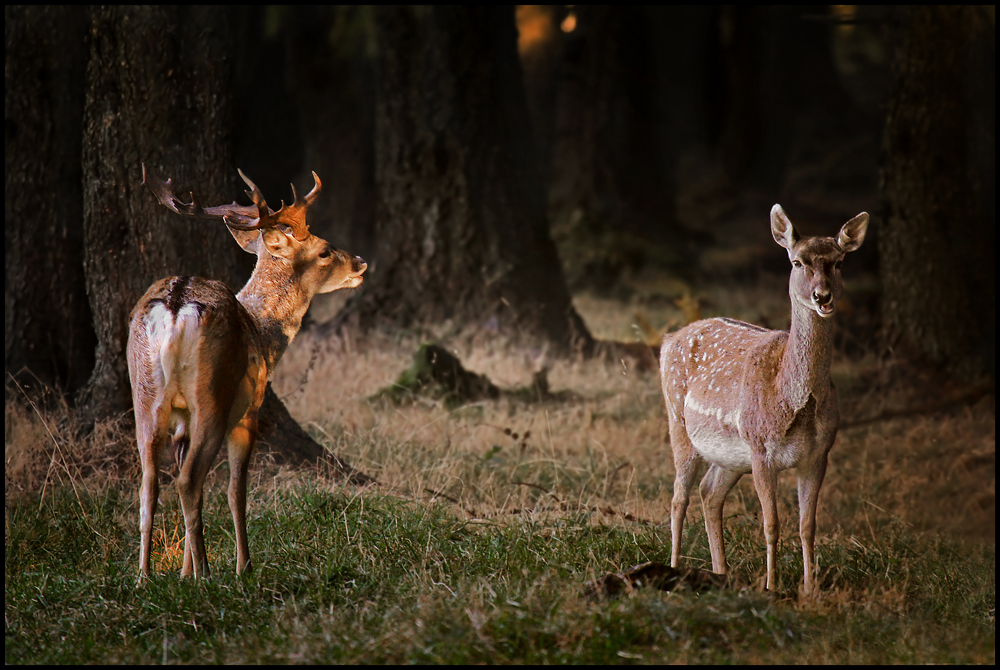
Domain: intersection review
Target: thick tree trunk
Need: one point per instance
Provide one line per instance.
(461, 227)
(938, 188)
(158, 91)
(47, 331)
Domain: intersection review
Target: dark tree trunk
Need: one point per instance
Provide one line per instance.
(541, 47)
(158, 91)
(317, 65)
(267, 135)
(732, 96)
(47, 321)
(461, 224)
(331, 67)
(938, 187)
(612, 150)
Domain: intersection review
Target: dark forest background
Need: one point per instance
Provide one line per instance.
(460, 147)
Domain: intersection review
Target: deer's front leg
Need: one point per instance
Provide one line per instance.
(241, 443)
(810, 481)
(765, 480)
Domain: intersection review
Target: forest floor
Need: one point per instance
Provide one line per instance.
(492, 522)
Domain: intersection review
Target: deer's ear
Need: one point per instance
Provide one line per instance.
(278, 243)
(782, 230)
(852, 235)
(248, 239)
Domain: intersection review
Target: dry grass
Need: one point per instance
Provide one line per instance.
(604, 449)
(49, 448)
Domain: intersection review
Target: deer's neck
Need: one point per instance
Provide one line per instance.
(277, 303)
(805, 365)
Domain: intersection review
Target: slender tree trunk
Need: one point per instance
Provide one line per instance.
(938, 187)
(158, 91)
(733, 98)
(47, 331)
(461, 224)
(611, 164)
(612, 186)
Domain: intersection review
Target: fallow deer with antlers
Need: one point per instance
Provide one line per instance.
(748, 399)
(199, 357)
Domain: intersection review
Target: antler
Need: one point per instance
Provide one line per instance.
(239, 217)
(293, 216)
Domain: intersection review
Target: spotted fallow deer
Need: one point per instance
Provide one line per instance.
(199, 357)
(749, 399)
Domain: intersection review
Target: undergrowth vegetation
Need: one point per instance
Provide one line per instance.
(491, 521)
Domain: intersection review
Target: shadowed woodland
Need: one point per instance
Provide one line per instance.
(540, 193)
(462, 148)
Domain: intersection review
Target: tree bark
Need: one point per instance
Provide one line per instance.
(733, 109)
(46, 314)
(461, 224)
(938, 188)
(158, 91)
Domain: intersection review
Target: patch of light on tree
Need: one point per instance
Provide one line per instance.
(845, 15)
(569, 23)
(534, 27)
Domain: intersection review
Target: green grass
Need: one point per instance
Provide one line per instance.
(366, 577)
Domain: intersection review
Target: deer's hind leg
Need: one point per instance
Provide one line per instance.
(715, 486)
(207, 433)
(240, 445)
(152, 436)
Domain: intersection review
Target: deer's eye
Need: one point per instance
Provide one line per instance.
(325, 253)
(797, 263)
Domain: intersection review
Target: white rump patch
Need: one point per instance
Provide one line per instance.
(176, 342)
